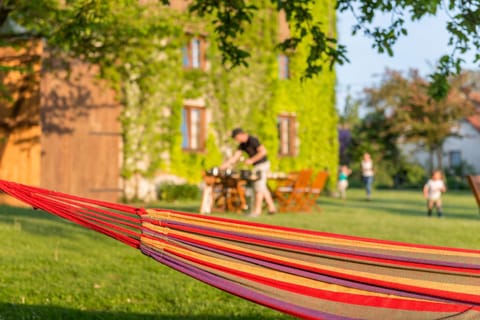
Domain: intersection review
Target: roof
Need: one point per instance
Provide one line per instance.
(474, 120)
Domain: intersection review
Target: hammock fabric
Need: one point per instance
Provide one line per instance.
(308, 274)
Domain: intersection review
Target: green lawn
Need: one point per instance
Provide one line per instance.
(52, 269)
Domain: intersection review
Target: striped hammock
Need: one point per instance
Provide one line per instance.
(308, 274)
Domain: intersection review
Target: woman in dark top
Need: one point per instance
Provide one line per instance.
(258, 158)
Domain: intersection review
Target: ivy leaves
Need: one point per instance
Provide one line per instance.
(463, 26)
(232, 16)
(83, 27)
(230, 19)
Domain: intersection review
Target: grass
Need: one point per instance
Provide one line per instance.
(52, 269)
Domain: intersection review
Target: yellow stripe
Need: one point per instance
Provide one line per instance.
(296, 236)
(267, 273)
(300, 280)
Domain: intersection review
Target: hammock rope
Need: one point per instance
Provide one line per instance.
(308, 274)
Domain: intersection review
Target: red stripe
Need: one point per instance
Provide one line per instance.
(42, 199)
(251, 255)
(30, 189)
(123, 215)
(455, 296)
(318, 233)
(325, 253)
(349, 298)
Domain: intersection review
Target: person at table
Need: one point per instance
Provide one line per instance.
(257, 156)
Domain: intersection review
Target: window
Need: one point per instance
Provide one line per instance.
(455, 159)
(193, 128)
(287, 135)
(194, 54)
(283, 67)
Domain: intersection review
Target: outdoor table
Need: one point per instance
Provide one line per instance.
(224, 191)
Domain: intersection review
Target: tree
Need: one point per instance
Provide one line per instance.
(80, 26)
(374, 134)
(139, 46)
(348, 120)
(127, 41)
(463, 26)
(413, 115)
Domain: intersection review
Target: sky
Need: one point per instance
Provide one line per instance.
(420, 49)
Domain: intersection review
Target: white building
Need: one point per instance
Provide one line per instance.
(456, 150)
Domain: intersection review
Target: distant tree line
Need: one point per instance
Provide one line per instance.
(400, 111)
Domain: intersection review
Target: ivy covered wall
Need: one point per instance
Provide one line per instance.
(313, 103)
(251, 98)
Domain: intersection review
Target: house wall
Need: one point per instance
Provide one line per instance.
(254, 97)
(19, 120)
(81, 140)
(468, 145)
(312, 101)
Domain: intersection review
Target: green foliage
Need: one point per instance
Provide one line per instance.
(350, 115)
(313, 102)
(456, 176)
(86, 28)
(462, 25)
(253, 97)
(455, 182)
(237, 13)
(231, 18)
(398, 174)
(415, 175)
(374, 135)
(139, 50)
(384, 173)
(174, 192)
(404, 109)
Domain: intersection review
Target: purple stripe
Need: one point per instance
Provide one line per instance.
(299, 244)
(319, 277)
(237, 289)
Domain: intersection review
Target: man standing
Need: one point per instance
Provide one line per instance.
(258, 158)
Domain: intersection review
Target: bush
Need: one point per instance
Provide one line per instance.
(355, 179)
(456, 177)
(456, 182)
(170, 192)
(384, 175)
(414, 175)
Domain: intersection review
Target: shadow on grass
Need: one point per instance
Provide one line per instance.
(46, 224)
(401, 207)
(40, 222)
(10, 311)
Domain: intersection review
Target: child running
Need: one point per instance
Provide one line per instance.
(432, 191)
(343, 181)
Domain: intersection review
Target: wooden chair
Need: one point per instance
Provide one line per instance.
(314, 190)
(290, 196)
(474, 182)
(235, 197)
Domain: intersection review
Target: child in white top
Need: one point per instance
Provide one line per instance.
(367, 173)
(432, 191)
